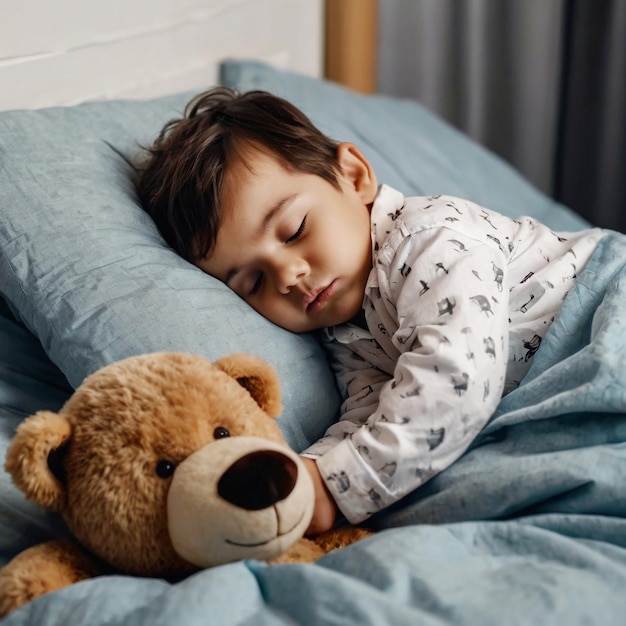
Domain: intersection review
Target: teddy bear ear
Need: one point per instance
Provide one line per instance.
(258, 377)
(34, 458)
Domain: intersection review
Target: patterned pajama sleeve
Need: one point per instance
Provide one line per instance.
(444, 314)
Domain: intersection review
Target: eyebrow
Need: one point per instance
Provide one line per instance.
(277, 208)
(267, 220)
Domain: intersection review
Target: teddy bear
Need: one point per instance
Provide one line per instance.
(163, 464)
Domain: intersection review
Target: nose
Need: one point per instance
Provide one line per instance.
(289, 270)
(258, 480)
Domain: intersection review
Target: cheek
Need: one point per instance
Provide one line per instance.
(132, 502)
(356, 237)
(274, 308)
(357, 221)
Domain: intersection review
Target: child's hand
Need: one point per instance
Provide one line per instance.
(325, 512)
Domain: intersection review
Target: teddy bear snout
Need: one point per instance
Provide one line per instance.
(258, 480)
(238, 498)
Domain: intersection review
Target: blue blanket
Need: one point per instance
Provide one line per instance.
(529, 527)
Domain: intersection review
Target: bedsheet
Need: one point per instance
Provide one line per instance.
(529, 527)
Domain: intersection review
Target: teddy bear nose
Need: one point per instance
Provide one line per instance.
(258, 480)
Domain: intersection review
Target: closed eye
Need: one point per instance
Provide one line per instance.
(257, 284)
(298, 233)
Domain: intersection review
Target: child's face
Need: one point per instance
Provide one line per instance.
(293, 246)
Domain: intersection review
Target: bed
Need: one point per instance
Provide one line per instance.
(529, 527)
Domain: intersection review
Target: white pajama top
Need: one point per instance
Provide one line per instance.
(456, 305)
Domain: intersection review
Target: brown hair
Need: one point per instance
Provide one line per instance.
(180, 184)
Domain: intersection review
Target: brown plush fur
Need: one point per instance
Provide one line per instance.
(94, 462)
(42, 569)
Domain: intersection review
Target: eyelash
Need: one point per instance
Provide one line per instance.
(257, 285)
(298, 233)
(294, 237)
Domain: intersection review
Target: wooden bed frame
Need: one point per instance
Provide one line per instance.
(70, 51)
(352, 43)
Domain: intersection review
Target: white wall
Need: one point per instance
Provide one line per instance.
(67, 51)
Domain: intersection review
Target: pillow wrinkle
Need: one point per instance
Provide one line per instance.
(86, 271)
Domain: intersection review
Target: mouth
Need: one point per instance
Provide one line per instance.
(266, 541)
(314, 301)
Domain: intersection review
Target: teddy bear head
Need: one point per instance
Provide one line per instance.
(165, 463)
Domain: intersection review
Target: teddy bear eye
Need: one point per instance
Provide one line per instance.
(165, 469)
(220, 432)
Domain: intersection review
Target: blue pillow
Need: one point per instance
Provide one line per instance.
(83, 267)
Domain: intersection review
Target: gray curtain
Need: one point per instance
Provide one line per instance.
(540, 82)
(591, 159)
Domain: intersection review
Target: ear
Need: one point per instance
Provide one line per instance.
(34, 458)
(256, 376)
(357, 172)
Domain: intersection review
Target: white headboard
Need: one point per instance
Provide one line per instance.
(61, 52)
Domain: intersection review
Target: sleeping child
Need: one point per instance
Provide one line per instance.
(431, 308)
